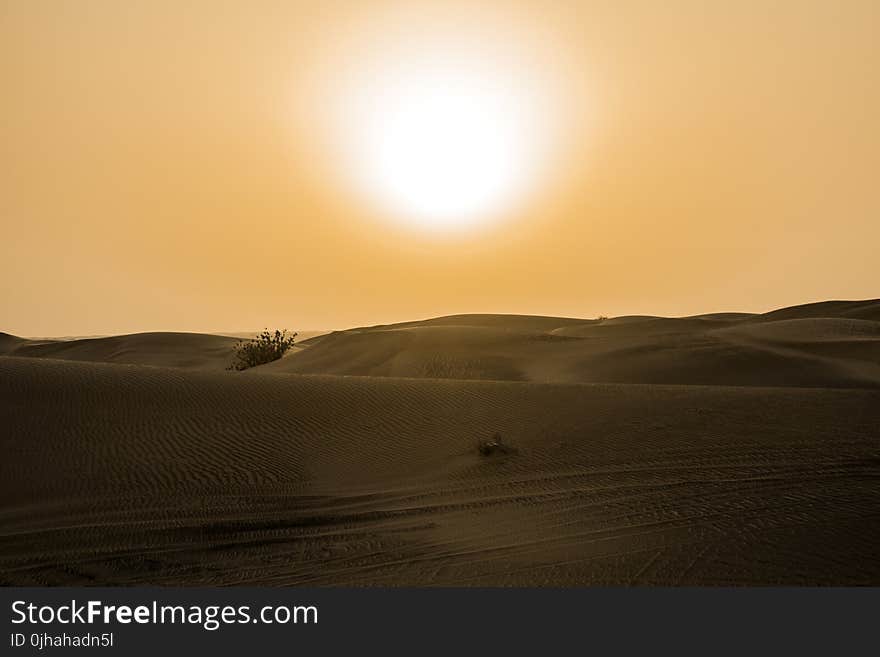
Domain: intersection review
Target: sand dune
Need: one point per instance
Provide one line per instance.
(727, 317)
(9, 342)
(808, 330)
(184, 350)
(827, 344)
(137, 460)
(777, 349)
(868, 309)
(121, 474)
(506, 322)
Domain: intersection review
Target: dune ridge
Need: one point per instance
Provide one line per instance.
(819, 345)
(825, 344)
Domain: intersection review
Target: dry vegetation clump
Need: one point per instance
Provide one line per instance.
(494, 446)
(262, 349)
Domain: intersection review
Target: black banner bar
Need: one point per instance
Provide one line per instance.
(144, 621)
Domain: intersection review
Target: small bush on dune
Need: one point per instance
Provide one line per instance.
(264, 348)
(495, 445)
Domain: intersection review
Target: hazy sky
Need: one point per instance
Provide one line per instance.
(164, 165)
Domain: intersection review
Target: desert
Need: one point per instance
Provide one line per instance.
(719, 449)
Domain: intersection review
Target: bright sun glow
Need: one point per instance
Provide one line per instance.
(440, 131)
(444, 148)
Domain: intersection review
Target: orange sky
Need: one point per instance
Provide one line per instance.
(161, 171)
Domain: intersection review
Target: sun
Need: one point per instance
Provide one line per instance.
(440, 130)
(444, 148)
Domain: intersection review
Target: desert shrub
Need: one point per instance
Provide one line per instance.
(495, 445)
(601, 318)
(264, 348)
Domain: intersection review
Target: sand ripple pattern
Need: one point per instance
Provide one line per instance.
(124, 474)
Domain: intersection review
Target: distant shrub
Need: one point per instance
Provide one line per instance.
(495, 445)
(264, 348)
(601, 318)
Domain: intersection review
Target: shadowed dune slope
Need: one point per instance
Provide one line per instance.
(184, 350)
(730, 317)
(9, 342)
(798, 346)
(808, 330)
(868, 309)
(507, 322)
(123, 474)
